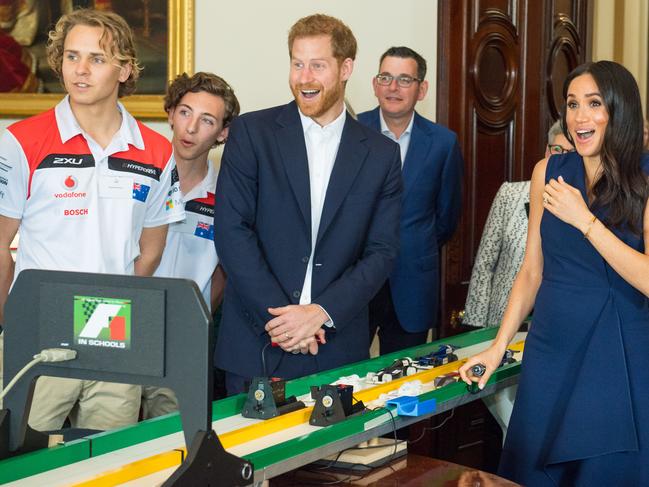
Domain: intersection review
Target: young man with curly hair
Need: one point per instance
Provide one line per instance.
(200, 109)
(89, 189)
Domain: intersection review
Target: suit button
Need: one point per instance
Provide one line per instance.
(305, 259)
(296, 294)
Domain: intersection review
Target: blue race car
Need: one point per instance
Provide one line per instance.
(443, 355)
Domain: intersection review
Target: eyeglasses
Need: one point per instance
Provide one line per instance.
(558, 149)
(403, 80)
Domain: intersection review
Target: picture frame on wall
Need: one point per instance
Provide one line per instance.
(164, 36)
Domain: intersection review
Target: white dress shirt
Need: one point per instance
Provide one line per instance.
(321, 149)
(404, 140)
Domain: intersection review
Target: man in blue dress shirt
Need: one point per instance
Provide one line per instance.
(406, 307)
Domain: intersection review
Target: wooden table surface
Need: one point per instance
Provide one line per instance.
(408, 471)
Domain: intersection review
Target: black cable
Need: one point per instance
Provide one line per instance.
(367, 468)
(425, 430)
(263, 359)
(315, 481)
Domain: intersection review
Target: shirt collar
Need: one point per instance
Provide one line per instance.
(335, 126)
(384, 126)
(207, 185)
(129, 131)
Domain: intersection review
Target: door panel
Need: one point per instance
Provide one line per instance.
(501, 66)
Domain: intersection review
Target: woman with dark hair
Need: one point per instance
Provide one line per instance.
(581, 415)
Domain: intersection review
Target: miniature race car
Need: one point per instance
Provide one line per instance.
(508, 357)
(443, 355)
(445, 379)
(397, 369)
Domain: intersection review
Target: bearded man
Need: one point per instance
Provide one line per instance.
(307, 205)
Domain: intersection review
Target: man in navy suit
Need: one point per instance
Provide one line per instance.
(406, 307)
(306, 220)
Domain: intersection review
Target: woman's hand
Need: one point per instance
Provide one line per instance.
(490, 358)
(566, 203)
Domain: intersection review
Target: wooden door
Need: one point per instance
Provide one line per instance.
(501, 66)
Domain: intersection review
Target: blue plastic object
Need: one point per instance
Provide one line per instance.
(410, 406)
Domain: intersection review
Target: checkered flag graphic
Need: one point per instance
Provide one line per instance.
(88, 309)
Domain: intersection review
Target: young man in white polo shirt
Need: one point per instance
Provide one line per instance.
(200, 110)
(89, 188)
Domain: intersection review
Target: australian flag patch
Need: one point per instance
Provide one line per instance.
(140, 191)
(204, 230)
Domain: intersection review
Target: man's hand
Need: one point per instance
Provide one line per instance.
(297, 327)
(152, 243)
(310, 345)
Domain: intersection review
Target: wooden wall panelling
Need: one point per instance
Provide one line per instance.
(501, 66)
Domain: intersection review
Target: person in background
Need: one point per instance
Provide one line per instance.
(200, 109)
(88, 188)
(307, 211)
(502, 245)
(581, 415)
(407, 305)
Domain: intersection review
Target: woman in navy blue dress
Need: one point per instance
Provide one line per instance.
(581, 415)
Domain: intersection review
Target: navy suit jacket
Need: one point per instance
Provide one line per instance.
(262, 221)
(431, 207)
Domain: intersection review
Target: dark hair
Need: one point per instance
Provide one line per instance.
(343, 42)
(407, 53)
(207, 82)
(623, 187)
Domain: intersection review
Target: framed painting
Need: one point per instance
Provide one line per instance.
(164, 33)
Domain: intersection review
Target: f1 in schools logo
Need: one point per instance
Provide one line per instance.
(102, 322)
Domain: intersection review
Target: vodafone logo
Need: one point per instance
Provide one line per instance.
(70, 183)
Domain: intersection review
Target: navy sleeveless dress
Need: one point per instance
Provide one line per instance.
(581, 416)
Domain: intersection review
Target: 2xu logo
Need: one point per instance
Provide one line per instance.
(67, 161)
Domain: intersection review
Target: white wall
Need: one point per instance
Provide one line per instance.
(245, 43)
(632, 50)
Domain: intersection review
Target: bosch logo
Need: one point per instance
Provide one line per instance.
(70, 183)
(75, 212)
(68, 160)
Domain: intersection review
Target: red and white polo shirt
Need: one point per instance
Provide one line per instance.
(82, 207)
(190, 252)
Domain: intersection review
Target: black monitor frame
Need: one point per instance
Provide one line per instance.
(170, 338)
